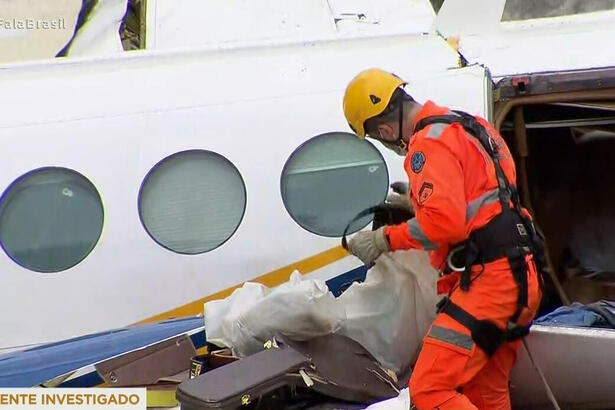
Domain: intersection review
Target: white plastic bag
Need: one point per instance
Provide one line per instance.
(300, 309)
(388, 314)
(401, 402)
(223, 316)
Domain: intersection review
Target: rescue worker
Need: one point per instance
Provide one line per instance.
(461, 173)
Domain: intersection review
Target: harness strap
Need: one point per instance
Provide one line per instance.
(472, 255)
(473, 127)
(518, 266)
(483, 243)
(486, 334)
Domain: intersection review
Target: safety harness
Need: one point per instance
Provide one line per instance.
(510, 234)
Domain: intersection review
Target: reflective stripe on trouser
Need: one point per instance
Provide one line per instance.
(451, 336)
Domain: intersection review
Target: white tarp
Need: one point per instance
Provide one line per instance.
(389, 313)
(401, 402)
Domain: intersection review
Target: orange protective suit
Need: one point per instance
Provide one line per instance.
(454, 191)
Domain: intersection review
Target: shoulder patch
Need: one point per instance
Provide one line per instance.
(417, 161)
(425, 192)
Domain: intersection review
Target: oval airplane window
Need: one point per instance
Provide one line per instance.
(329, 179)
(192, 201)
(50, 219)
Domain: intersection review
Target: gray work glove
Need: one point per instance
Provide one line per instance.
(399, 197)
(368, 245)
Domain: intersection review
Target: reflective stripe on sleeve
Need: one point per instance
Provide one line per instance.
(487, 198)
(417, 233)
(435, 130)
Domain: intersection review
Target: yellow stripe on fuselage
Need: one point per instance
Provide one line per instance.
(269, 279)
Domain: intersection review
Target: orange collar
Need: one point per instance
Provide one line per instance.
(427, 110)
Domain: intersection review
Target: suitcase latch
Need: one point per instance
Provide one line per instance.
(306, 379)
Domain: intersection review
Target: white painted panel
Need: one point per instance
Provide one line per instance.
(158, 81)
(113, 119)
(189, 23)
(182, 23)
(383, 16)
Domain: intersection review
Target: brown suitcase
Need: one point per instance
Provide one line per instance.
(241, 382)
(147, 365)
(331, 366)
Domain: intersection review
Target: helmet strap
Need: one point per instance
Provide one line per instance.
(400, 137)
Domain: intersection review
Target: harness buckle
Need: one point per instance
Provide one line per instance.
(492, 145)
(521, 229)
(452, 254)
(515, 331)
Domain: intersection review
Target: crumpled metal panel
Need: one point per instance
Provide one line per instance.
(569, 42)
(578, 364)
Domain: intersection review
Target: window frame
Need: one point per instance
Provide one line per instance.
(17, 180)
(298, 149)
(177, 154)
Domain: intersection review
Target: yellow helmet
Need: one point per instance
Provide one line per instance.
(367, 95)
